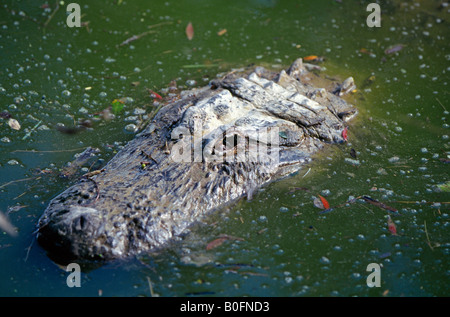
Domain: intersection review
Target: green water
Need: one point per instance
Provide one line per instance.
(57, 75)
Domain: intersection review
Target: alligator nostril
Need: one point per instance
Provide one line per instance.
(80, 223)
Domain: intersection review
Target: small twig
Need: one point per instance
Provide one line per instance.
(34, 128)
(51, 15)
(159, 24)
(150, 286)
(93, 173)
(307, 172)
(54, 151)
(134, 38)
(420, 202)
(426, 232)
(441, 104)
(19, 180)
(29, 248)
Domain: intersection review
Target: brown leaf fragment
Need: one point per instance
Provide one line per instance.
(215, 243)
(222, 32)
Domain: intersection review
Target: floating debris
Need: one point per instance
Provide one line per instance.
(14, 124)
(325, 203)
(6, 226)
(5, 115)
(322, 203)
(393, 49)
(215, 243)
(313, 58)
(79, 161)
(154, 95)
(345, 134)
(189, 31)
(134, 38)
(379, 204)
(219, 241)
(222, 32)
(391, 226)
(346, 87)
(365, 51)
(444, 187)
(32, 129)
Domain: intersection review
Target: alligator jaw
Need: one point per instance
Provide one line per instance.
(212, 147)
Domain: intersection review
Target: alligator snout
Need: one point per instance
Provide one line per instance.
(70, 230)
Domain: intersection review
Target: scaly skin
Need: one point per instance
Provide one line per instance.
(128, 209)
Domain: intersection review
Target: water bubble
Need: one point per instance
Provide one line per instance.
(394, 159)
(109, 60)
(284, 209)
(324, 260)
(13, 162)
(66, 93)
(103, 94)
(191, 82)
(356, 275)
(131, 127)
(83, 110)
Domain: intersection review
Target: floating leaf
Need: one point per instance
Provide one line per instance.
(117, 106)
(310, 58)
(14, 124)
(189, 31)
(325, 203)
(154, 94)
(391, 226)
(321, 203)
(444, 187)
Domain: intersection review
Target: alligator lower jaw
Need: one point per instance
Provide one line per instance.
(131, 207)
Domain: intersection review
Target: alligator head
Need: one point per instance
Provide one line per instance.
(212, 146)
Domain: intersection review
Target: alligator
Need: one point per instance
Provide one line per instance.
(211, 147)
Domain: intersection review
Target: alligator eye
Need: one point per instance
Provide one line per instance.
(227, 138)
